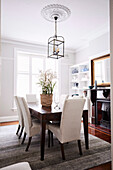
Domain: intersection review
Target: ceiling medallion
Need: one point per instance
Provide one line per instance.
(49, 12)
(55, 12)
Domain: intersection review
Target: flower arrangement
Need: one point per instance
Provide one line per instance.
(46, 81)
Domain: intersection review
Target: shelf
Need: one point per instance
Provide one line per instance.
(74, 81)
(103, 100)
(75, 88)
(75, 74)
(84, 80)
(83, 88)
(84, 72)
(81, 78)
(100, 89)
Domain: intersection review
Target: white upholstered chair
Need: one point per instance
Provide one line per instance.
(31, 98)
(31, 128)
(63, 97)
(20, 116)
(70, 125)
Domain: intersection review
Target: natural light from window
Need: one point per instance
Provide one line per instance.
(27, 67)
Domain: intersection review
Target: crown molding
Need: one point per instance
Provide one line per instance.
(99, 54)
(20, 42)
(32, 44)
(87, 38)
(93, 35)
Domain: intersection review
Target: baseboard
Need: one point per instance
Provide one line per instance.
(9, 118)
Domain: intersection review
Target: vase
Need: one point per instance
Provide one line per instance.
(46, 99)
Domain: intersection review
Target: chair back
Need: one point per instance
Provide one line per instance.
(26, 114)
(31, 98)
(63, 97)
(20, 115)
(70, 125)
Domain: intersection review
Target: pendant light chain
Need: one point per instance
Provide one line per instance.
(56, 26)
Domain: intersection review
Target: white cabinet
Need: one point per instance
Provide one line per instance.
(78, 79)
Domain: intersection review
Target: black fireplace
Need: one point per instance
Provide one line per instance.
(106, 118)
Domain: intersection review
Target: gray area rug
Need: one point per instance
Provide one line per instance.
(11, 151)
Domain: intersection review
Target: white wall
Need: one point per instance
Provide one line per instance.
(111, 54)
(82, 55)
(96, 47)
(64, 71)
(0, 49)
(7, 74)
(99, 45)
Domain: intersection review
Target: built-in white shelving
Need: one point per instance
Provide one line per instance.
(79, 78)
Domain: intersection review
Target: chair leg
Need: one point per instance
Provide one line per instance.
(62, 151)
(24, 138)
(49, 138)
(29, 142)
(52, 144)
(18, 129)
(21, 133)
(79, 146)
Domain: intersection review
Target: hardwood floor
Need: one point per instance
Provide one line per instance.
(97, 131)
(104, 134)
(106, 166)
(8, 123)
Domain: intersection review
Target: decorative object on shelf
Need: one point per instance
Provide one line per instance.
(85, 68)
(46, 81)
(76, 84)
(75, 94)
(85, 93)
(95, 84)
(90, 87)
(75, 70)
(55, 12)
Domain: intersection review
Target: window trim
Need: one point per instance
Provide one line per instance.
(30, 52)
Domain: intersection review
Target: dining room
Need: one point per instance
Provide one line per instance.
(46, 78)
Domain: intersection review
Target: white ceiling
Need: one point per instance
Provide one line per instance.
(21, 20)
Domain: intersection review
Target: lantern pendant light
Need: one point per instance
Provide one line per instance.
(56, 44)
(55, 12)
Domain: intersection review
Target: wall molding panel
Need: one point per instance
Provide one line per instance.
(8, 118)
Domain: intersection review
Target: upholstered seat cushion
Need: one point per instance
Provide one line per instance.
(34, 129)
(18, 166)
(55, 128)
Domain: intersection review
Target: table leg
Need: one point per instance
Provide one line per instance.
(85, 123)
(42, 144)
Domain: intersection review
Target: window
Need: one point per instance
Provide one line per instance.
(27, 67)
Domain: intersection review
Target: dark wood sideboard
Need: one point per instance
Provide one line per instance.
(101, 107)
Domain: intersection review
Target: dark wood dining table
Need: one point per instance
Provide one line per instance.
(46, 114)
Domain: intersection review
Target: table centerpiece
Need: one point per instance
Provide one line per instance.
(47, 82)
